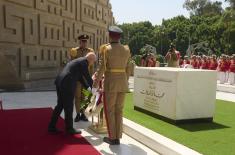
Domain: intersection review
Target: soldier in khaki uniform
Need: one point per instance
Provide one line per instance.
(113, 64)
(74, 54)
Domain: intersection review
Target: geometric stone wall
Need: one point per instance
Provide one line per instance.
(35, 35)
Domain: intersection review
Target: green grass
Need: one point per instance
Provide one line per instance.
(217, 138)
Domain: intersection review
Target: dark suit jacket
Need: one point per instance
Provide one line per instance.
(75, 70)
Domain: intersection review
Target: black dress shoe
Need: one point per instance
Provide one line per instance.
(83, 117)
(73, 131)
(53, 130)
(117, 141)
(77, 118)
(111, 141)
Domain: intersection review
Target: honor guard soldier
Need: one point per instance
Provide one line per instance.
(199, 61)
(205, 64)
(186, 61)
(181, 61)
(75, 53)
(113, 64)
(223, 66)
(194, 62)
(213, 63)
(232, 71)
(228, 60)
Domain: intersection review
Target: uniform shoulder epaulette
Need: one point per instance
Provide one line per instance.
(103, 47)
(73, 51)
(108, 46)
(75, 48)
(91, 49)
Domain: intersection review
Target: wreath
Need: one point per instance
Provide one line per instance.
(86, 99)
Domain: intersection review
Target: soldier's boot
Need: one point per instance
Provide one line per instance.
(77, 118)
(83, 117)
(111, 141)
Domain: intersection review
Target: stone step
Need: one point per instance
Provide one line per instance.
(226, 88)
(155, 141)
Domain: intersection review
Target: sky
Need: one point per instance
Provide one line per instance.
(129, 11)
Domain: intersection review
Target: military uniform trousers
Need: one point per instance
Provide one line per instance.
(65, 97)
(231, 78)
(113, 104)
(222, 77)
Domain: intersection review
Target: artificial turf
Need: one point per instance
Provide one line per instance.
(217, 138)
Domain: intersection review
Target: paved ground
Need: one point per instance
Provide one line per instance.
(225, 96)
(24, 100)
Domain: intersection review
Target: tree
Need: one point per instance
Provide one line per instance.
(137, 35)
(194, 6)
(232, 3)
(148, 49)
(203, 7)
(209, 27)
(177, 30)
(228, 22)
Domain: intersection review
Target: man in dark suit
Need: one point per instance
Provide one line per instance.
(74, 71)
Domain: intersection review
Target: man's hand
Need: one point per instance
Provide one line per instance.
(92, 90)
(89, 89)
(94, 76)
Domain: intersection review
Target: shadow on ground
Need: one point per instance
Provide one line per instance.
(194, 127)
(124, 149)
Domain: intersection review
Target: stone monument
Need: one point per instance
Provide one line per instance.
(176, 94)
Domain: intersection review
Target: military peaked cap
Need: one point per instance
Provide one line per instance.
(83, 37)
(115, 29)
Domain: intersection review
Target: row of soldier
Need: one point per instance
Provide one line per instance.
(77, 75)
(225, 65)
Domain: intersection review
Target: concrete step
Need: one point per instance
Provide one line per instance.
(155, 141)
(226, 88)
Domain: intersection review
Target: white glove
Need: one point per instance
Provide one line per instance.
(89, 89)
(94, 91)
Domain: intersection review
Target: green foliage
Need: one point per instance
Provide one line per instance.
(160, 58)
(147, 49)
(203, 7)
(137, 35)
(232, 3)
(208, 24)
(137, 59)
(86, 100)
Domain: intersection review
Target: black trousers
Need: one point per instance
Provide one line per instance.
(65, 97)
